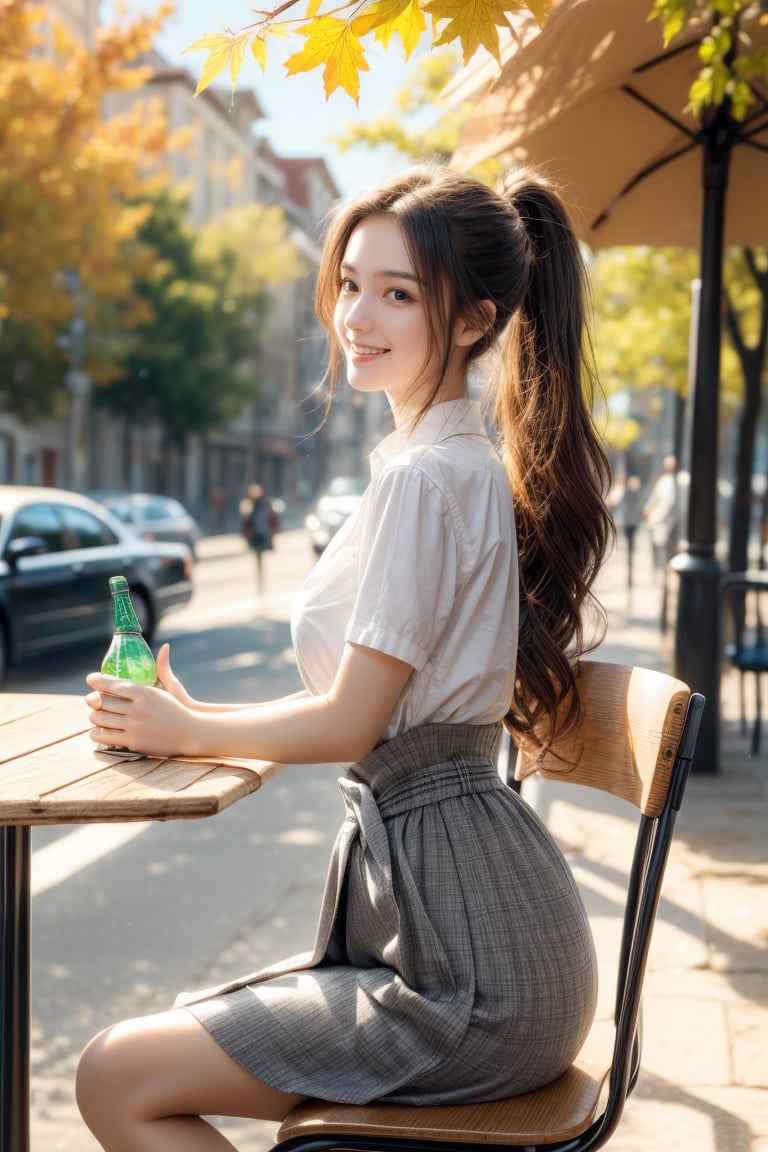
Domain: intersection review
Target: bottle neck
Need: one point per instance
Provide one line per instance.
(125, 617)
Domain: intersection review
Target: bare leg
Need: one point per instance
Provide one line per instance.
(143, 1086)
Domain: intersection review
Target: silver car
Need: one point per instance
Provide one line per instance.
(152, 516)
(335, 505)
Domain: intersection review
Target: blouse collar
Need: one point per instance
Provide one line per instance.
(451, 418)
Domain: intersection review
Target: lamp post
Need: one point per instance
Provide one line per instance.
(78, 385)
(698, 639)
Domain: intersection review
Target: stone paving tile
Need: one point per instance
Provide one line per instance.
(662, 1115)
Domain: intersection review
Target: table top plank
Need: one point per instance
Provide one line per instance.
(171, 788)
(23, 727)
(43, 770)
(51, 772)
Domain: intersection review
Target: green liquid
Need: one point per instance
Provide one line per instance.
(130, 657)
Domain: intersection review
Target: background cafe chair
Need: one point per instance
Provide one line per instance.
(636, 741)
(746, 628)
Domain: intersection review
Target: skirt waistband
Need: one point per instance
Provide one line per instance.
(459, 747)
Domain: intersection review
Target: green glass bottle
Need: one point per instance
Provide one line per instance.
(129, 656)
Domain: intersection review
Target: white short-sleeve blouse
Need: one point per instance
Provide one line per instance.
(425, 570)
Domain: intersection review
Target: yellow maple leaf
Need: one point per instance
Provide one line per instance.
(389, 16)
(237, 55)
(378, 13)
(223, 48)
(473, 22)
(259, 51)
(539, 8)
(218, 45)
(331, 43)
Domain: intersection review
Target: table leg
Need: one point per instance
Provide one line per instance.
(14, 988)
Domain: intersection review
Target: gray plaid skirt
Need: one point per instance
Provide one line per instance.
(453, 960)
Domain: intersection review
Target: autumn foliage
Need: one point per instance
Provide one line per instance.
(334, 36)
(71, 178)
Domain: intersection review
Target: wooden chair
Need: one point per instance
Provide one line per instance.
(636, 741)
(746, 626)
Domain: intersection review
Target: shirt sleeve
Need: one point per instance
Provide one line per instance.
(408, 568)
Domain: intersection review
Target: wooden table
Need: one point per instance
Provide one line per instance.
(51, 772)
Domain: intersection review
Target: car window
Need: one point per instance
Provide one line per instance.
(86, 530)
(346, 486)
(39, 520)
(157, 509)
(121, 507)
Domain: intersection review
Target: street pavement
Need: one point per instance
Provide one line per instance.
(704, 1079)
(703, 1086)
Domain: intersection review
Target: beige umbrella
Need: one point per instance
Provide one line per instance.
(596, 102)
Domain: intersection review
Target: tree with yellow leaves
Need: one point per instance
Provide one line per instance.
(71, 189)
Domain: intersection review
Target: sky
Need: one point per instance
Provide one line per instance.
(298, 117)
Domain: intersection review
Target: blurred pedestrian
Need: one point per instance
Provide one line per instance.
(661, 514)
(258, 525)
(632, 515)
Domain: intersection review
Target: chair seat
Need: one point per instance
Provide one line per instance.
(750, 659)
(557, 1112)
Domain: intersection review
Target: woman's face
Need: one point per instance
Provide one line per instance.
(380, 319)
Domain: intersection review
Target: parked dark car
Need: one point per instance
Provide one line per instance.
(153, 517)
(57, 552)
(335, 505)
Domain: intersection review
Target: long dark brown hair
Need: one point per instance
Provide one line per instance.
(514, 247)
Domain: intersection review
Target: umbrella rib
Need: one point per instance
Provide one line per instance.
(668, 54)
(749, 128)
(638, 177)
(660, 112)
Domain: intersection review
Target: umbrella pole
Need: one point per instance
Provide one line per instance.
(697, 656)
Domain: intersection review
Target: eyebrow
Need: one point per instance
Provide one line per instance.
(385, 274)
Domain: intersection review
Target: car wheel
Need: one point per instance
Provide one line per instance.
(143, 610)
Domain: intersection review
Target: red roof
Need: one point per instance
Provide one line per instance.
(296, 183)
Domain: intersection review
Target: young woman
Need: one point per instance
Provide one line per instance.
(453, 960)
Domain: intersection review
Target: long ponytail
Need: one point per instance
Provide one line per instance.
(557, 464)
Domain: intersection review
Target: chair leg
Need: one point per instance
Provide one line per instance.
(743, 705)
(756, 731)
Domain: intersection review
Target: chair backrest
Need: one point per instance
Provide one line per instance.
(636, 740)
(746, 618)
(632, 721)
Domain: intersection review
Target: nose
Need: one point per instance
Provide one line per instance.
(356, 313)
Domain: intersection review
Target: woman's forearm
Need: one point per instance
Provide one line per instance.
(210, 706)
(297, 730)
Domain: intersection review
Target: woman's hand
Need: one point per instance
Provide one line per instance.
(139, 718)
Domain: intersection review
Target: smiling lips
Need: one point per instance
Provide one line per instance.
(361, 350)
